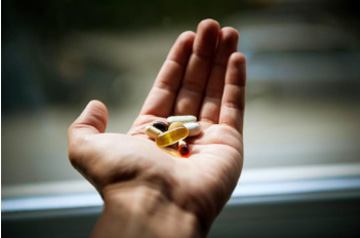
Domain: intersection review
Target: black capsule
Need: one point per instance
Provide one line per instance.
(160, 125)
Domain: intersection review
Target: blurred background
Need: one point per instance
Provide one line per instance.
(303, 98)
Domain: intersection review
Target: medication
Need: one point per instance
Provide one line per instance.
(172, 136)
(175, 125)
(182, 119)
(194, 128)
(161, 126)
(183, 147)
(152, 132)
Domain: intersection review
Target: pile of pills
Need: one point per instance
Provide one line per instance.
(179, 128)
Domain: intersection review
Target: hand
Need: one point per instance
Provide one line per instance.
(147, 191)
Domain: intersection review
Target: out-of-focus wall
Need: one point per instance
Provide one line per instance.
(303, 104)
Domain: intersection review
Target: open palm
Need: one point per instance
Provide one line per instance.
(203, 75)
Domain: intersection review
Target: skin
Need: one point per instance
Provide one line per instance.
(148, 192)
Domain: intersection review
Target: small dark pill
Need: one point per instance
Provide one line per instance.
(183, 148)
(161, 126)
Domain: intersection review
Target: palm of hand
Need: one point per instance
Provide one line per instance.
(212, 168)
(202, 182)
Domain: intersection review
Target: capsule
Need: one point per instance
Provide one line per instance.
(160, 125)
(172, 136)
(152, 132)
(175, 125)
(183, 148)
(182, 119)
(194, 128)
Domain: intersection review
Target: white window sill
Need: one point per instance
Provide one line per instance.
(255, 186)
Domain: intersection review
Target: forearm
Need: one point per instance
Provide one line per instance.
(144, 211)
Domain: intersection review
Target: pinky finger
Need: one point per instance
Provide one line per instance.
(233, 100)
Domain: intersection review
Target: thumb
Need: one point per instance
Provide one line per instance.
(93, 120)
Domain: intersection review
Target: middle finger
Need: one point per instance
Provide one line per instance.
(190, 96)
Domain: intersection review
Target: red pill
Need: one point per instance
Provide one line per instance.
(183, 147)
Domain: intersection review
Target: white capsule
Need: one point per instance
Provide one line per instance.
(152, 132)
(194, 128)
(182, 119)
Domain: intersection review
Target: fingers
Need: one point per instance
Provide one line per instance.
(93, 120)
(190, 96)
(210, 110)
(161, 99)
(233, 100)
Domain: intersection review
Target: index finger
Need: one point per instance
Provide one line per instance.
(161, 99)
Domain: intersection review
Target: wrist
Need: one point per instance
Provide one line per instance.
(143, 211)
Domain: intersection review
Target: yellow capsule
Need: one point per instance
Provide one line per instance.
(175, 125)
(172, 136)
